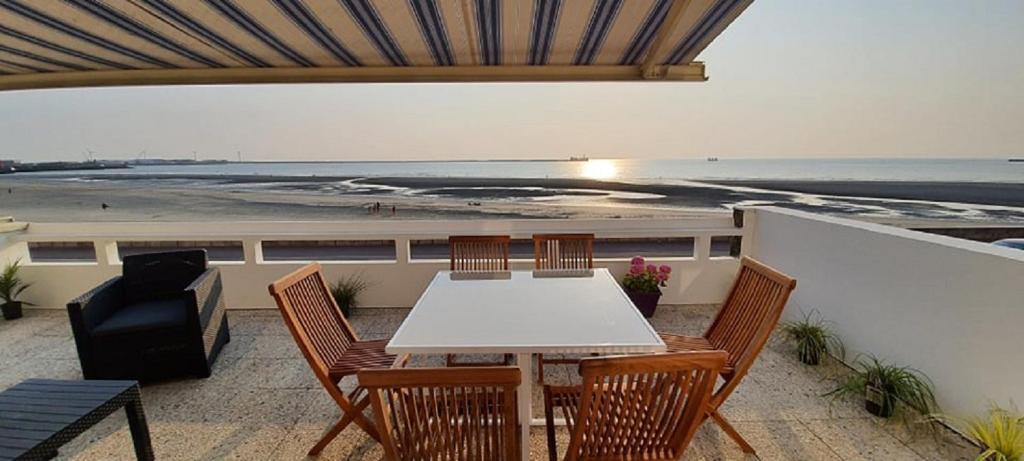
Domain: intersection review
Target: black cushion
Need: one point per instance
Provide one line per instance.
(140, 317)
(157, 276)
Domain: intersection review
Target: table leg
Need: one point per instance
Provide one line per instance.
(139, 429)
(525, 363)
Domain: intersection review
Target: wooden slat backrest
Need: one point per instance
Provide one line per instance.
(446, 413)
(477, 253)
(563, 251)
(642, 407)
(313, 317)
(750, 313)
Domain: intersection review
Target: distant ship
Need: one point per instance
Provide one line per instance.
(583, 158)
(1017, 159)
(712, 159)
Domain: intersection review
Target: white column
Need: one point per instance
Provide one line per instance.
(525, 363)
(402, 251)
(106, 253)
(252, 251)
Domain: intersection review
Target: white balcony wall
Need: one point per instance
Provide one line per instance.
(952, 308)
(398, 283)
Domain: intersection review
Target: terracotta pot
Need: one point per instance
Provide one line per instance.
(877, 402)
(11, 310)
(645, 302)
(810, 355)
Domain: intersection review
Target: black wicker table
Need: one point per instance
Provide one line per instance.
(38, 416)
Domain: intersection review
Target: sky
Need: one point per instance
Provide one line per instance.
(789, 78)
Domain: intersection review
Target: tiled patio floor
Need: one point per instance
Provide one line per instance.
(262, 402)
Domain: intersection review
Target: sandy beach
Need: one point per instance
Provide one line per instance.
(246, 197)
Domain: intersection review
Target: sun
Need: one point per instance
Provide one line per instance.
(599, 169)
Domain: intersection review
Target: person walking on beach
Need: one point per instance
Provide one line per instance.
(394, 210)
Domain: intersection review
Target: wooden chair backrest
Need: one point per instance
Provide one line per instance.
(750, 313)
(313, 317)
(478, 252)
(563, 251)
(642, 407)
(446, 413)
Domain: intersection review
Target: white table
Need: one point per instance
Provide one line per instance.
(519, 313)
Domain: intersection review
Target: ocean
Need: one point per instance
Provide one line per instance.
(658, 171)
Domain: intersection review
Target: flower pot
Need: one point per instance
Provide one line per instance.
(645, 302)
(877, 402)
(810, 356)
(346, 309)
(11, 310)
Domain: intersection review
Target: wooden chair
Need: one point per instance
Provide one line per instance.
(478, 253)
(741, 328)
(561, 252)
(641, 407)
(329, 344)
(446, 414)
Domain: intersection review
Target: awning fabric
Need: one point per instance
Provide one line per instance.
(61, 43)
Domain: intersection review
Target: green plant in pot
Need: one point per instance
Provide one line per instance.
(1000, 433)
(813, 338)
(888, 389)
(11, 287)
(346, 292)
(643, 284)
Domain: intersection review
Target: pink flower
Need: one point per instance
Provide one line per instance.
(667, 270)
(662, 276)
(652, 268)
(637, 261)
(636, 270)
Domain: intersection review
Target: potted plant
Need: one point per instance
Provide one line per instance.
(1000, 433)
(643, 284)
(11, 287)
(813, 338)
(888, 389)
(346, 292)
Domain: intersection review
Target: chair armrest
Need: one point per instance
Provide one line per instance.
(92, 308)
(206, 292)
(401, 361)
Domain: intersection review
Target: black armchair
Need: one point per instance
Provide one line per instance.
(162, 318)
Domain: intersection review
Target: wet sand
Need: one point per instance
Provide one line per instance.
(983, 193)
(133, 197)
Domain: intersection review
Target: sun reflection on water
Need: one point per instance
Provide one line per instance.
(599, 169)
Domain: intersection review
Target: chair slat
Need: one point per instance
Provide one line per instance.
(634, 407)
(446, 414)
(328, 342)
(742, 327)
(563, 251)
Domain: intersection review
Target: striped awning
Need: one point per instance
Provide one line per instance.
(63, 43)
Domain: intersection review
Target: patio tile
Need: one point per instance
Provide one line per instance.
(787, 440)
(861, 438)
(263, 401)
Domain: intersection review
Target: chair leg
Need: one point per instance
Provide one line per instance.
(353, 414)
(732, 433)
(549, 422)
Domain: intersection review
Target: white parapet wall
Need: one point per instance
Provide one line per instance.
(951, 308)
(393, 283)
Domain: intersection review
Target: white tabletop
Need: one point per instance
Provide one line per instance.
(524, 313)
